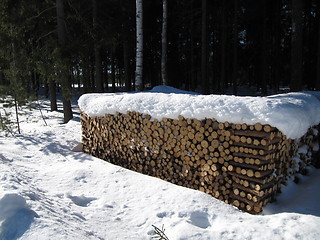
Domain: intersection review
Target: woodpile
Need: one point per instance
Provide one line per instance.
(240, 164)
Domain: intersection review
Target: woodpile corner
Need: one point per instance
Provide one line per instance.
(240, 164)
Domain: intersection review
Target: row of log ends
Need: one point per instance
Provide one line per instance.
(240, 164)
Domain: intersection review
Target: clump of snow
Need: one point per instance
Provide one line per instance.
(291, 113)
(15, 215)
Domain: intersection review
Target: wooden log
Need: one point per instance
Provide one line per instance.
(253, 166)
(258, 127)
(258, 146)
(258, 134)
(242, 198)
(253, 179)
(258, 193)
(267, 157)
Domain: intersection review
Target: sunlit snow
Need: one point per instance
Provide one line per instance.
(51, 190)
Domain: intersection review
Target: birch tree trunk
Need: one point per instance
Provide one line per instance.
(65, 82)
(164, 74)
(139, 47)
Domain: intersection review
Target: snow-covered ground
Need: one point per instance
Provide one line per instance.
(51, 190)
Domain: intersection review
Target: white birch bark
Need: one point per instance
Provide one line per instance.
(139, 47)
(164, 44)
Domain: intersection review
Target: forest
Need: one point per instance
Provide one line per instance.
(204, 46)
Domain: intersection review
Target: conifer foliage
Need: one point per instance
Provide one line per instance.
(205, 46)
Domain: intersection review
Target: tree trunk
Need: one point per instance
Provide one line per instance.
(98, 74)
(192, 81)
(2, 82)
(126, 64)
(263, 43)
(139, 47)
(113, 68)
(65, 81)
(164, 75)
(277, 46)
(223, 49)
(204, 55)
(86, 76)
(14, 82)
(125, 42)
(97, 49)
(318, 53)
(296, 46)
(52, 95)
(235, 49)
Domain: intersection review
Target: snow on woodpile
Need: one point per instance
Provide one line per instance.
(292, 113)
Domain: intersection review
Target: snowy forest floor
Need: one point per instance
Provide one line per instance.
(49, 189)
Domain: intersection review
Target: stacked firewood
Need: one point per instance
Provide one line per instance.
(240, 164)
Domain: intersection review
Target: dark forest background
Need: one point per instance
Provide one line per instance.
(213, 46)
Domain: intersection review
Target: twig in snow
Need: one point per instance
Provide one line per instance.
(41, 113)
(159, 233)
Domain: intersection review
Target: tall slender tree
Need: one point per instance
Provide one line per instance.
(64, 76)
(164, 75)
(192, 81)
(125, 31)
(318, 53)
(235, 49)
(263, 54)
(223, 43)
(204, 47)
(296, 46)
(276, 44)
(113, 66)
(97, 49)
(139, 46)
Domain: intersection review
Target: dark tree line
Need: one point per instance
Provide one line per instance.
(206, 46)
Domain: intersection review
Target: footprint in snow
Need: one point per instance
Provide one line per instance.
(199, 219)
(81, 201)
(164, 214)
